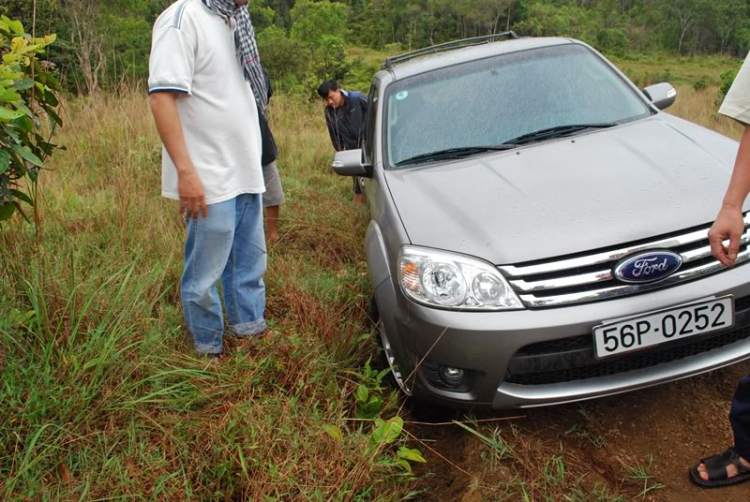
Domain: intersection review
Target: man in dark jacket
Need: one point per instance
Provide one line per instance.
(346, 114)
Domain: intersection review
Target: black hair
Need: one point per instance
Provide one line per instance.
(326, 87)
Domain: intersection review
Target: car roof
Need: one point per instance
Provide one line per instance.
(429, 62)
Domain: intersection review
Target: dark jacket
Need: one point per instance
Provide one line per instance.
(270, 151)
(347, 129)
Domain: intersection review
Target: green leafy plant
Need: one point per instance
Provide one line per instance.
(701, 84)
(27, 93)
(369, 396)
(386, 432)
(726, 80)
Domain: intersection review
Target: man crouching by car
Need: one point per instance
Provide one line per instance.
(345, 116)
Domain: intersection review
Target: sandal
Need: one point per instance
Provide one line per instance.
(716, 467)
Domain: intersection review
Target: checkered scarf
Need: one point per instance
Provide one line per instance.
(247, 49)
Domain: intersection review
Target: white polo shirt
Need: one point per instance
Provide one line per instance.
(193, 54)
(737, 102)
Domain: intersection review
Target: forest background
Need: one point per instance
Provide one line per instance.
(104, 44)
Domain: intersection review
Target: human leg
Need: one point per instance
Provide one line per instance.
(732, 466)
(272, 222)
(207, 249)
(273, 198)
(242, 279)
(358, 195)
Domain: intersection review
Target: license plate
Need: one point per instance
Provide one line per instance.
(663, 326)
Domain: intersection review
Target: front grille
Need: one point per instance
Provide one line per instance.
(588, 278)
(569, 359)
(630, 363)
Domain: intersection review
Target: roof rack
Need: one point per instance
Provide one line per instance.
(456, 44)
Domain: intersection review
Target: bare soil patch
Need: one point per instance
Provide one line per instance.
(636, 446)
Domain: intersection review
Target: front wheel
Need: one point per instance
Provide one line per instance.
(387, 352)
(418, 409)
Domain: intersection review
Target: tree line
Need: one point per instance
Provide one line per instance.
(105, 43)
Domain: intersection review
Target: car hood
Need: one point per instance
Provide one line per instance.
(581, 193)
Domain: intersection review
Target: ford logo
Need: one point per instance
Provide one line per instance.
(648, 267)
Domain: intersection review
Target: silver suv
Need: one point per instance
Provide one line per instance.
(538, 228)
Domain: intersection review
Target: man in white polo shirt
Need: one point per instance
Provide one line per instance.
(206, 90)
(732, 466)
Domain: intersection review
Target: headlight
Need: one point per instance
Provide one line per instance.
(443, 279)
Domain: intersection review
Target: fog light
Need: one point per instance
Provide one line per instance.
(453, 377)
(447, 377)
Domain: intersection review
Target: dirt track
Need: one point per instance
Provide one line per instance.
(599, 441)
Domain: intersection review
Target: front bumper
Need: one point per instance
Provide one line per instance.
(486, 343)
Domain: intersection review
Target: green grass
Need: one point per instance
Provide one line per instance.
(101, 396)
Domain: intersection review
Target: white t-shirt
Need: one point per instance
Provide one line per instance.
(193, 54)
(737, 102)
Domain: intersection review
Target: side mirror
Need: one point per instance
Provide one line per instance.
(661, 95)
(349, 163)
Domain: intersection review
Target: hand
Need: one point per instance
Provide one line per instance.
(728, 225)
(192, 198)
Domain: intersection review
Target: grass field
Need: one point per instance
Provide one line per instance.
(102, 399)
(100, 394)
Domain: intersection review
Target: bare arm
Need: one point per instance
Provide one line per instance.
(729, 223)
(190, 188)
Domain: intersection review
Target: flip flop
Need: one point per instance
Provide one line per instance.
(716, 467)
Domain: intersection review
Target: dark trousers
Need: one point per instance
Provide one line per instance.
(739, 416)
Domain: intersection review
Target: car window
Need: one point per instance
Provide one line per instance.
(369, 143)
(494, 100)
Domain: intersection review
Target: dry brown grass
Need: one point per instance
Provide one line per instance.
(701, 108)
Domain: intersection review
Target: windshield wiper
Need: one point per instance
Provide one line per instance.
(455, 153)
(557, 131)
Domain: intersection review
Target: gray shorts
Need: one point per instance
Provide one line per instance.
(274, 195)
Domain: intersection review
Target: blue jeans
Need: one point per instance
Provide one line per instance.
(229, 245)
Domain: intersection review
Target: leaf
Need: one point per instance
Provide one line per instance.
(16, 27)
(25, 109)
(23, 84)
(54, 117)
(28, 155)
(20, 195)
(334, 432)
(9, 96)
(7, 210)
(411, 455)
(4, 161)
(50, 98)
(65, 475)
(404, 465)
(388, 432)
(6, 115)
(12, 58)
(362, 394)
(11, 132)
(25, 124)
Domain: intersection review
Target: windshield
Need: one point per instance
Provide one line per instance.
(495, 100)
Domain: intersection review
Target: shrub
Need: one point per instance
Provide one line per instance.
(726, 80)
(281, 56)
(26, 94)
(612, 40)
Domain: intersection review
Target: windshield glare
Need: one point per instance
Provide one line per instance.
(491, 101)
